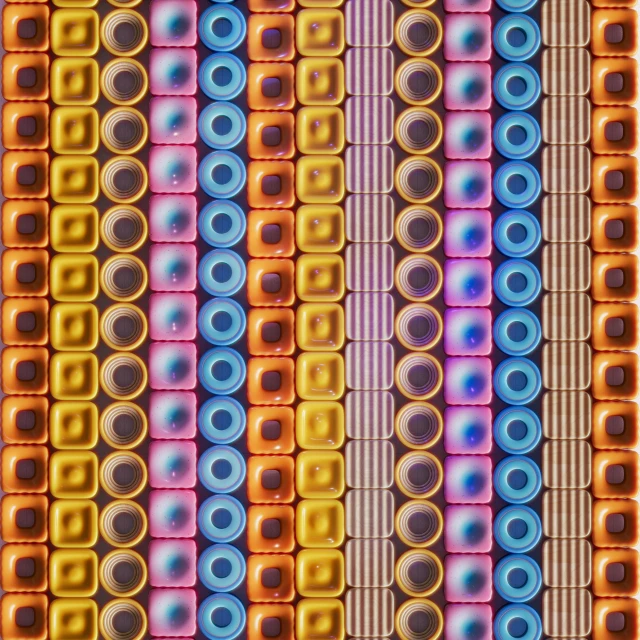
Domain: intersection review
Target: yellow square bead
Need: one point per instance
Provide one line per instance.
(73, 376)
(320, 376)
(73, 619)
(320, 32)
(320, 524)
(320, 573)
(320, 278)
(73, 326)
(73, 573)
(320, 81)
(320, 425)
(320, 3)
(73, 474)
(73, 425)
(320, 228)
(73, 277)
(75, 32)
(75, 3)
(75, 81)
(320, 130)
(320, 179)
(320, 618)
(75, 130)
(74, 228)
(74, 179)
(73, 523)
(320, 474)
(320, 326)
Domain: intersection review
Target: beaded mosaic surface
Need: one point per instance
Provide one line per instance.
(319, 320)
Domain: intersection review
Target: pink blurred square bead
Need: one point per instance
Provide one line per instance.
(172, 316)
(467, 577)
(467, 86)
(172, 415)
(172, 464)
(172, 563)
(172, 513)
(467, 380)
(467, 282)
(173, 72)
(467, 37)
(172, 267)
(467, 184)
(468, 528)
(467, 135)
(173, 169)
(468, 332)
(467, 479)
(172, 366)
(173, 218)
(467, 233)
(173, 23)
(173, 120)
(468, 622)
(467, 6)
(172, 612)
(468, 430)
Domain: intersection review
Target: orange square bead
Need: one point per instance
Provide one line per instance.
(616, 523)
(25, 223)
(12, 628)
(270, 135)
(270, 578)
(25, 321)
(270, 332)
(270, 430)
(270, 479)
(614, 425)
(615, 277)
(270, 37)
(270, 86)
(25, 370)
(270, 233)
(25, 76)
(615, 573)
(270, 529)
(13, 579)
(625, 20)
(270, 184)
(17, 38)
(615, 326)
(25, 419)
(25, 174)
(24, 518)
(614, 228)
(270, 622)
(615, 179)
(615, 619)
(271, 381)
(614, 130)
(614, 81)
(615, 474)
(25, 125)
(270, 283)
(24, 468)
(615, 376)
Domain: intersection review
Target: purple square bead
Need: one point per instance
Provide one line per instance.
(468, 332)
(467, 430)
(467, 282)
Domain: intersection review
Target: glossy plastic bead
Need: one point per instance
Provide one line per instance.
(234, 34)
(222, 174)
(222, 420)
(173, 316)
(467, 381)
(172, 218)
(235, 68)
(517, 332)
(172, 611)
(172, 563)
(503, 382)
(172, 415)
(523, 592)
(172, 71)
(525, 616)
(467, 135)
(222, 223)
(467, 184)
(467, 282)
(468, 529)
(221, 518)
(172, 120)
(172, 267)
(467, 430)
(468, 621)
(467, 479)
(528, 179)
(468, 332)
(215, 457)
(173, 23)
(172, 513)
(222, 272)
(517, 135)
(222, 371)
(467, 37)
(235, 612)
(234, 128)
(517, 479)
(517, 529)
(517, 233)
(467, 86)
(172, 465)
(467, 233)
(525, 49)
(233, 560)
(528, 276)
(222, 322)
(468, 577)
(517, 430)
(523, 74)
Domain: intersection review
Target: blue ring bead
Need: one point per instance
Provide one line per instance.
(229, 41)
(216, 310)
(233, 268)
(524, 173)
(523, 344)
(207, 125)
(514, 6)
(528, 622)
(517, 529)
(221, 430)
(222, 223)
(237, 174)
(532, 430)
(524, 492)
(233, 559)
(518, 71)
(236, 614)
(521, 51)
(519, 247)
(503, 288)
(235, 469)
(234, 366)
(515, 122)
(235, 69)
(523, 592)
(504, 387)
(221, 518)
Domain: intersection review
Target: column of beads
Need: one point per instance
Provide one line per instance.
(271, 339)
(614, 290)
(25, 333)
(172, 220)
(319, 275)
(222, 322)
(566, 319)
(467, 318)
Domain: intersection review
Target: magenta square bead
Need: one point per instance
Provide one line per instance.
(467, 380)
(467, 479)
(172, 267)
(172, 612)
(172, 415)
(468, 430)
(467, 233)
(468, 622)
(467, 577)
(467, 86)
(172, 563)
(172, 513)
(467, 6)
(173, 23)
(173, 120)
(173, 72)
(173, 218)
(467, 282)
(467, 37)
(468, 528)
(467, 332)
(173, 169)
(172, 464)
(172, 366)
(172, 316)
(467, 184)
(467, 135)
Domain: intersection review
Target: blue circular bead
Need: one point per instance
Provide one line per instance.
(233, 180)
(222, 310)
(232, 558)
(528, 622)
(222, 223)
(532, 434)
(233, 474)
(222, 272)
(226, 382)
(517, 592)
(523, 74)
(235, 614)
(207, 125)
(503, 385)
(221, 518)
(511, 123)
(504, 482)
(522, 246)
(526, 175)
(521, 51)
(519, 268)
(517, 529)
(524, 344)
(222, 420)
(228, 65)
(237, 28)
